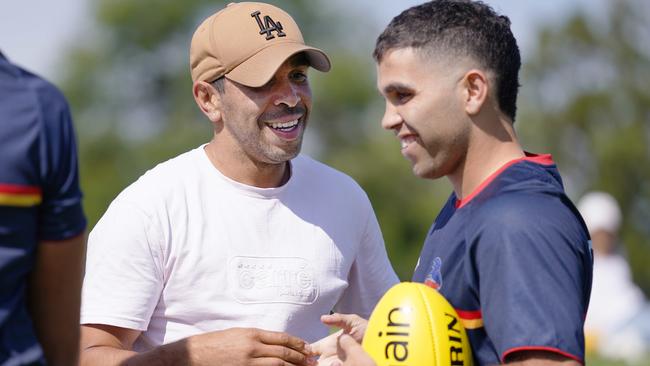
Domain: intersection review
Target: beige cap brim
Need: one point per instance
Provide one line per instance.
(260, 68)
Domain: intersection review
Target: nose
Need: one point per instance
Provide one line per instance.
(288, 94)
(391, 120)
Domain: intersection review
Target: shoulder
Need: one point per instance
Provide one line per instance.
(521, 227)
(44, 92)
(32, 98)
(519, 207)
(323, 175)
(330, 190)
(528, 216)
(525, 194)
(146, 204)
(49, 96)
(162, 182)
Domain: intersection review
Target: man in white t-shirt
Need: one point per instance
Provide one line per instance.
(229, 253)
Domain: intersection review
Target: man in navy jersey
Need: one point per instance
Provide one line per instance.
(42, 223)
(508, 250)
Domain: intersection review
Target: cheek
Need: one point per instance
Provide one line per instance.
(437, 124)
(306, 96)
(251, 99)
(424, 117)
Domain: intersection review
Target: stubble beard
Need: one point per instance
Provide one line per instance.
(441, 163)
(257, 146)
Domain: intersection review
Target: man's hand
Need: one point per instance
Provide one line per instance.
(350, 324)
(246, 346)
(351, 353)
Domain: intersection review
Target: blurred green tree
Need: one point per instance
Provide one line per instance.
(586, 98)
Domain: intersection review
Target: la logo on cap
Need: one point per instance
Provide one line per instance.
(269, 26)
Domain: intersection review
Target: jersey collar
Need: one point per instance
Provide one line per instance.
(542, 159)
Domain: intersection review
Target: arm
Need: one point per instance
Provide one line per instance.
(53, 289)
(543, 256)
(107, 345)
(54, 293)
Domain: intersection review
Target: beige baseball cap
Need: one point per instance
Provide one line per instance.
(247, 42)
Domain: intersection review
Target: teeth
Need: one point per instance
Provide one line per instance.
(284, 125)
(406, 141)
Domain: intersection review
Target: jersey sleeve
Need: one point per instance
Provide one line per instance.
(124, 276)
(533, 264)
(371, 274)
(60, 213)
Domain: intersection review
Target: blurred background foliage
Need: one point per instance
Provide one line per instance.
(585, 98)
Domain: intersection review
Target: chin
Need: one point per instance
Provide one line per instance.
(285, 155)
(427, 172)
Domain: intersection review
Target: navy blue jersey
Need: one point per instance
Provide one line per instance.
(514, 260)
(39, 196)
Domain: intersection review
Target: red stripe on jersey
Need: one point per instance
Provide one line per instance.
(19, 189)
(539, 348)
(469, 314)
(543, 159)
(470, 319)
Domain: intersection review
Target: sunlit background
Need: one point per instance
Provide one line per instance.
(585, 98)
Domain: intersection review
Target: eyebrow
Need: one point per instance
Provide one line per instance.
(395, 86)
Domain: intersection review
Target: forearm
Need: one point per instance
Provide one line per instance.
(105, 356)
(173, 354)
(54, 299)
(104, 345)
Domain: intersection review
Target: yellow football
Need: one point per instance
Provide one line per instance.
(414, 324)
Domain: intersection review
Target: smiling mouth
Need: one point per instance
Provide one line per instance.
(283, 126)
(406, 141)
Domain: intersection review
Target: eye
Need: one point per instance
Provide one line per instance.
(298, 76)
(403, 96)
(400, 97)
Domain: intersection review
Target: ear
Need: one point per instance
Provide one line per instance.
(476, 86)
(208, 99)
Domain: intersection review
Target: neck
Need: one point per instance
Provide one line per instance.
(492, 144)
(246, 170)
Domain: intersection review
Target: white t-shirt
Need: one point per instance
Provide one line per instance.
(185, 250)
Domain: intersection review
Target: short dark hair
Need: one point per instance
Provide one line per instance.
(220, 85)
(460, 28)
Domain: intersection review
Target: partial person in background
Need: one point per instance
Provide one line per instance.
(618, 320)
(42, 224)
